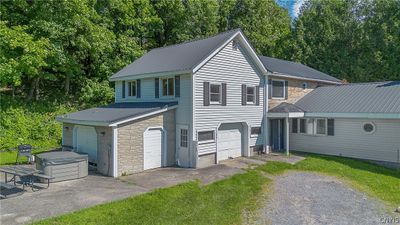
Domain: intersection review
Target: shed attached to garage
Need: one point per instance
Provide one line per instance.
(123, 138)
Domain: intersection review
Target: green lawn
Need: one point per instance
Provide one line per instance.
(9, 157)
(219, 203)
(225, 201)
(376, 180)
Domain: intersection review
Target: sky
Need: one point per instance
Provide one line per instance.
(292, 5)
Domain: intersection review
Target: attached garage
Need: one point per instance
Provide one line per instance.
(153, 139)
(230, 141)
(123, 138)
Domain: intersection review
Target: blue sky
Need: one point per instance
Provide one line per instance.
(292, 5)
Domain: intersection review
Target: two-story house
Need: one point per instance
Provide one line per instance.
(195, 104)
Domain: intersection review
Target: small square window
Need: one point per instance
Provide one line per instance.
(205, 136)
(132, 88)
(278, 89)
(215, 93)
(255, 130)
(250, 94)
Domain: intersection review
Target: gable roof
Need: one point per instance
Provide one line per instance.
(285, 107)
(115, 113)
(282, 67)
(181, 58)
(382, 97)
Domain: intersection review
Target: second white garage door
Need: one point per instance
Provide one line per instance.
(153, 148)
(229, 141)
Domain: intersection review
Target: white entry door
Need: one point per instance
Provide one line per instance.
(86, 142)
(153, 148)
(229, 142)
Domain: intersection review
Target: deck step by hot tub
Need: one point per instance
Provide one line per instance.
(62, 165)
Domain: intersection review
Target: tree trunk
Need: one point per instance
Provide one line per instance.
(13, 91)
(37, 89)
(67, 84)
(31, 90)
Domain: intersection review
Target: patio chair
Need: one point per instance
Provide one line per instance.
(24, 151)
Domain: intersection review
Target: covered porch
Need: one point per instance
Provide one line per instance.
(278, 127)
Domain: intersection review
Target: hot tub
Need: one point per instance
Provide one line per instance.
(62, 165)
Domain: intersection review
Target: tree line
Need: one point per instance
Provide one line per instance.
(58, 49)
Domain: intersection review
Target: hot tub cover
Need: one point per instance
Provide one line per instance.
(61, 157)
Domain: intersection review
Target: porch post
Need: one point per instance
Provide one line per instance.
(287, 135)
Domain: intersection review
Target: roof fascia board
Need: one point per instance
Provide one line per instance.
(289, 115)
(150, 75)
(82, 122)
(302, 78)
(356, 115)
(245, 43)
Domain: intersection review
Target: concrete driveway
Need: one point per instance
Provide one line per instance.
(69, 196)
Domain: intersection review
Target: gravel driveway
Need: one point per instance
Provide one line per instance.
(308, 198)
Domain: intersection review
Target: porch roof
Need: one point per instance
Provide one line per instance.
(286, 110)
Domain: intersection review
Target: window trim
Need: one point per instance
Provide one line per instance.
(272, 89)
(129, 84)
(220, 94)
(255, 135)
(161, 87)
(206, 141)
(373, 125)
(254, 95)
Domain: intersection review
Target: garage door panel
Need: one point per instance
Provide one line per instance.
(229, 142)
(153, 143)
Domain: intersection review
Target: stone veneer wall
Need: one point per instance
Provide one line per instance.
(130, 141)
(295, 91)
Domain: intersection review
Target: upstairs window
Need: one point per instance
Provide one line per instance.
(250, 94)
(168, 87)
(215, 93)
(132, 88)
(278, 89)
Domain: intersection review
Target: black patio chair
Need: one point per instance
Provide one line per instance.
(24, 151)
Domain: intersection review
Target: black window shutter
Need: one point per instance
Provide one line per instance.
(177, 86)
(138, 89)
(257, 95)
(123, 89)
(269, 88)
(286, 89)
(331, 127)
(224, 94)
(294, 125)
(206, 93)
(156, 88)
(244, 92)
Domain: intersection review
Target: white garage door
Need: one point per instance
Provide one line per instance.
(153, 146)
(86, 142)
(229, 142)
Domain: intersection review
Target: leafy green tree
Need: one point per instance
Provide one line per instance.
(265, 24)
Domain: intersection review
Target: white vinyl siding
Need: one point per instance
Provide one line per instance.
(234, 68)
(351, 141)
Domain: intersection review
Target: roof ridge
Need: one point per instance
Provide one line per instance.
(194, 40)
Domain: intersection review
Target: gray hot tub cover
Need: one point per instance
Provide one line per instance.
(60, 157)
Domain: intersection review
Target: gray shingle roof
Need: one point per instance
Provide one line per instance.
(180, 57)
(294, 69)
(382, 97)
(116, 112)
(285, 107)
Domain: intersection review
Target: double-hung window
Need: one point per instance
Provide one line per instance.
(215, 93)
(132, 88)
(250, 94)
(320, 126)
(167, 85)
(278, 89)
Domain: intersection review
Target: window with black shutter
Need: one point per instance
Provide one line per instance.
(294, 125)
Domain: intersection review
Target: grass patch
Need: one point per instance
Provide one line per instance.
(218, 203)
(378, 181)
